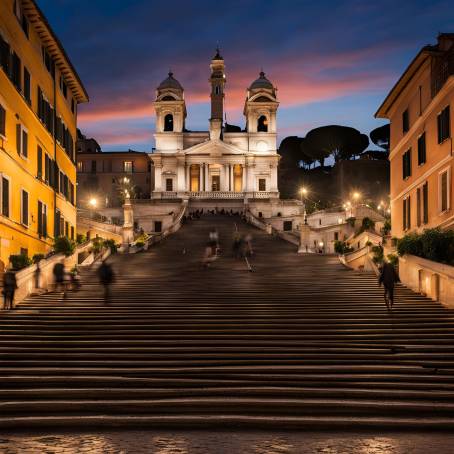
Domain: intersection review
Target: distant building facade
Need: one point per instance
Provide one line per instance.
(86, 145)
(39, 94)
(104, 176)
(225, 161)
(419, 108)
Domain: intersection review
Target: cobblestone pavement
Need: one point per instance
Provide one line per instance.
(198, 442)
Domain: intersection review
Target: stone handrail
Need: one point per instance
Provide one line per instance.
(215, 195)
(169, 195)
(174, 227)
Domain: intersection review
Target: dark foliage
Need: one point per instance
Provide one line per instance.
(381, 136)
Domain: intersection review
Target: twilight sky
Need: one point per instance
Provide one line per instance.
(333, 61)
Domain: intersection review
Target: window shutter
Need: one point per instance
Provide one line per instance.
(404, 214)
(2, 121)
(18, 138)
(27, 85)
(425, 198)
(40, 219)
(39, 163)
(24, 144)
(45, 222)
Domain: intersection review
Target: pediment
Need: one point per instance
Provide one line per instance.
(213, 148)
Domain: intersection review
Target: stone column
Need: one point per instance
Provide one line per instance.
(244, 177)
(305, 236)
(158, 178)
(207, 177)
(128, 223)
(231, 181)
(200, 177)
(180, 177)
(187, 181)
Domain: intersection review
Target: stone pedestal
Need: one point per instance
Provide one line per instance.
(305, 233)
(128, 224)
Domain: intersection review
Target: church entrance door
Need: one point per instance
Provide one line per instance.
(216, 183)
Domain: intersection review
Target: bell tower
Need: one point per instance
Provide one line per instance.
(217, 81)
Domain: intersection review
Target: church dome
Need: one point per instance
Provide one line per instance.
(170, 83)
(261, 82)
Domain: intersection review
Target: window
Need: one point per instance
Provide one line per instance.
(57, 231)
(262, 124)
(425, 203)
(5, 55)
(71, 193)
(406, 218)
(27, 91)
(39, 163)
(48, 62)
(93, 166)
(405, 121)
(157, 226)
(67, 229)
(72, 232)
(17, 10)
(2, 121)
(47, 168)
(63, 86)
(443, 123)
(422, 149)
(262, 184)
(16, 71)
(336, 236)
(5, 196)
(418, 206)
(169, 184)
(287, 226)
(168, 123)
(444, 188)
(80, 166)
(42, 219)
(21, 141)
(45, 112)
(128, 166)
(406, 164)
(24, 208)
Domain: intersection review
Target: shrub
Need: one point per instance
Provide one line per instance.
(367, 224)
(80, 238)
(386, 227)
(19, 261)
(341, 247)
(378, 256)
(37, 258)
(97, 245)
(64, 246)
(111, 245)
(433, 244)
(393, 259)
(351, 221)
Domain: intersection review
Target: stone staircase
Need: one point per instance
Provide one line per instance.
(301, 342)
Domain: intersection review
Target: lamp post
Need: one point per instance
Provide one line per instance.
(303, 194)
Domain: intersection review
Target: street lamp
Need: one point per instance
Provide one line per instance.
(303, 193)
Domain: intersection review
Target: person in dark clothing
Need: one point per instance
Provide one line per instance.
(106, 277)
(37, 274)
(9, 288)
(59, 275)
(388, 277)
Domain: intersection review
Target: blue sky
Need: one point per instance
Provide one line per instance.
(333, 62)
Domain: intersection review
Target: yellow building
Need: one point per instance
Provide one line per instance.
(420, 109)
(39, 94)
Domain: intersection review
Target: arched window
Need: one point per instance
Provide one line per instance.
(262, 124)
(217, 90)
(168, 122)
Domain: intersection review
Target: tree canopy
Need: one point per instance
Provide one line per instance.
(293, 154)
(381, 136)
(342, 142)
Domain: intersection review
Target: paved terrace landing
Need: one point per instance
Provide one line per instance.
(301, 342)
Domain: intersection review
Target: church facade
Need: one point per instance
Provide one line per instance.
(223, 162)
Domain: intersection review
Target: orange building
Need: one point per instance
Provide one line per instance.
(39, 94)
(420, 109)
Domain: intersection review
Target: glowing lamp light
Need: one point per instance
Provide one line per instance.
(93, 202)
(356, 195)
(321, 244)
